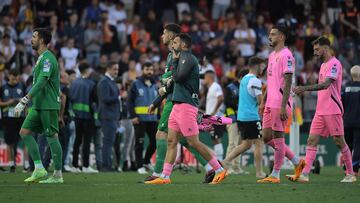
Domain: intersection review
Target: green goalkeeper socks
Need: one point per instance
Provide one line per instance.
(193, 151)
(56, 152)
(32, 147)
(161, 147)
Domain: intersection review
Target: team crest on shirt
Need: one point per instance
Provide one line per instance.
(6, 93)
(141, 92)
(183, 61)
(47, 65)
(18, 91)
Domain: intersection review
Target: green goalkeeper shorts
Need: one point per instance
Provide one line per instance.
(42, 121)
(163, 123)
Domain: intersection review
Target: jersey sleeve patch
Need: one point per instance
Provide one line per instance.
(46, 66)
(289, 63)
(333, 71)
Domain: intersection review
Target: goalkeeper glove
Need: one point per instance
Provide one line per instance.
(21, 105)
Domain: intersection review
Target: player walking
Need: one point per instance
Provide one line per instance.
(43, 116)
(329, 111)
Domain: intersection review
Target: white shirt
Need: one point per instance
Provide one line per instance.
(8, 51)
(108, 75)
(211, 99)
(246, 49)
(115, 16)
(69, 56)
(254, 86)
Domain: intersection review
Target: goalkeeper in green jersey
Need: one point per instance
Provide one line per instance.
(43, 116)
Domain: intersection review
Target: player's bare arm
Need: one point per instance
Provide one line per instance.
(262, 103)
(286, 94)
(316, 87)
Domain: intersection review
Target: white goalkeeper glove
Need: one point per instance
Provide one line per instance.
(21, 106)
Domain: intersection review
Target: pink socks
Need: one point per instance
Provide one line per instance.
(279, 153)
(309, 158)
(167, 169)
(214, 163)
(346, 154)
(288, 153)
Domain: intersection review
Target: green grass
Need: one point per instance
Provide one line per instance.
(124, 187)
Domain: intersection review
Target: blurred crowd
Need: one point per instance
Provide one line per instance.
(225, 34)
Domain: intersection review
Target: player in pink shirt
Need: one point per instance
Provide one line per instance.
(329, 111)
(278, 104)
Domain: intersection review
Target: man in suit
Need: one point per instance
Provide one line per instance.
(109, 112)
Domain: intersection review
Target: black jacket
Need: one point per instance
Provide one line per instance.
(351, 103)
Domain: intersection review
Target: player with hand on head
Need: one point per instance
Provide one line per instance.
(183, 117)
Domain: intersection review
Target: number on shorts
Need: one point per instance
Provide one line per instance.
(258, 125)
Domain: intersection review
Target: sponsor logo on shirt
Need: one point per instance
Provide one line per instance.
(47, 65)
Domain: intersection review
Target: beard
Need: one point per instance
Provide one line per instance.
(177, 50)
(148, 76)
(35, 46)
(320, 57)
(273, 44)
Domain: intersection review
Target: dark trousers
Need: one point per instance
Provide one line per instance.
(117, 149)
(108, 128)
(85, 131)
(352, 138)
(150, 129)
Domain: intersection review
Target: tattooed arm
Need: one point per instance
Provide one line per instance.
(286, 94)
(316, 87)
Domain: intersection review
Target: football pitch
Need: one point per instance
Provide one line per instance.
(125, 187)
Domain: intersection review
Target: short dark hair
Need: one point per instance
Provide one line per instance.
(147, 64)
(185, 38)
(15, 72)
(255, 60)
(283, 29)
(173, 27)
(322, 40)
(70, 72)
(241, 73)
(110, 64)
(6, 35)
(83, 66)
(44, 33)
